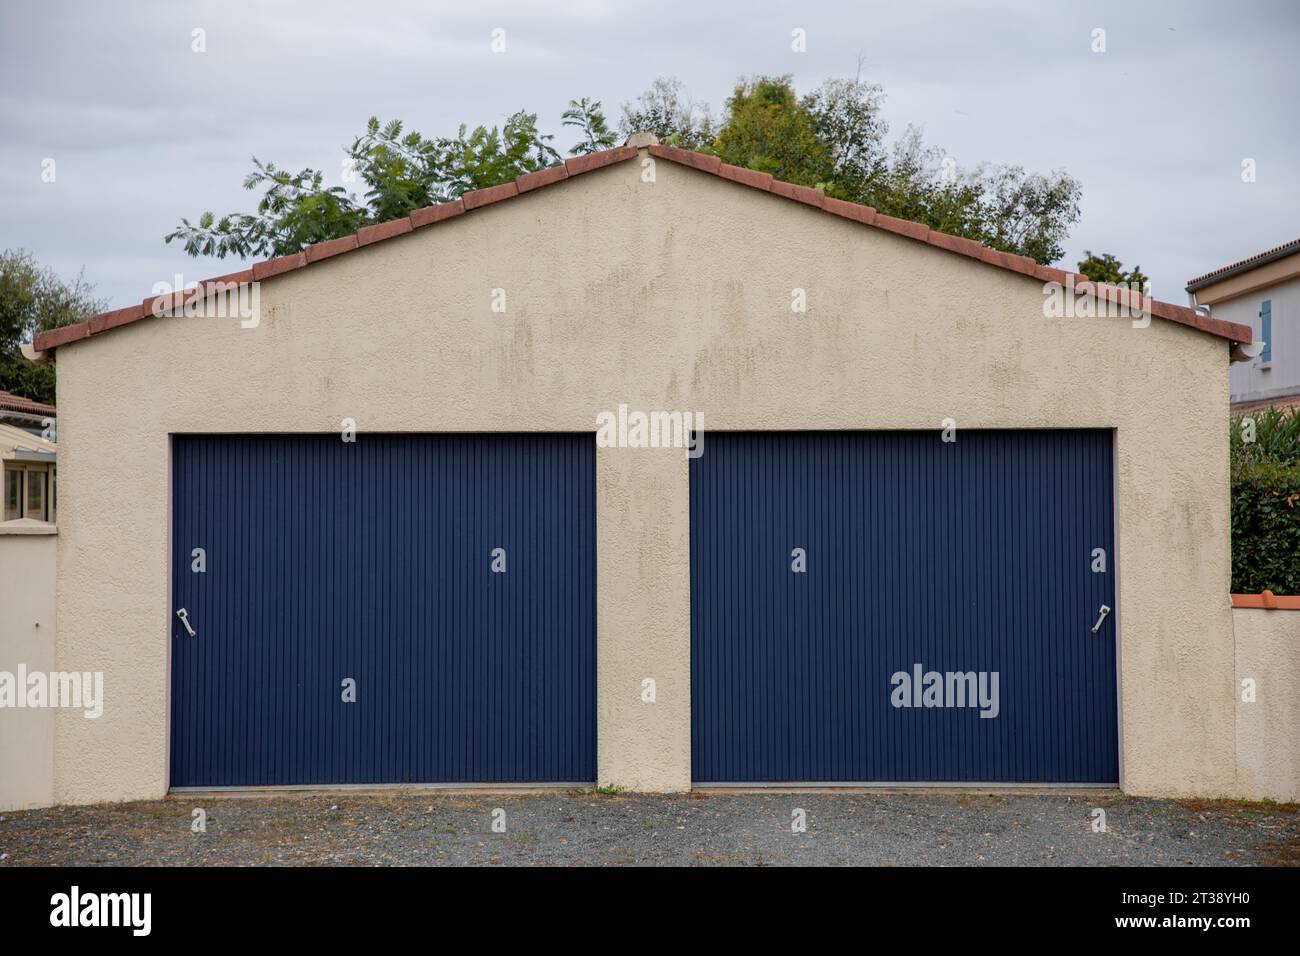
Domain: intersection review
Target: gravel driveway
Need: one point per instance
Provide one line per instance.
(584, 828)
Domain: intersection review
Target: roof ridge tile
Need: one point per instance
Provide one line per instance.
(383, 230)
(576, 165)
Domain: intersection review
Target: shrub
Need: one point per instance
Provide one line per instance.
(1266, 501)
(1276, 436)
(1265, 527)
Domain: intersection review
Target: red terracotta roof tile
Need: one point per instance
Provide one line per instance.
(243, 277)
(160, 305)
(1282, 403)
(331, 247)
(18, 403)
(1244, 265)
(543, 177)
(803, 194)
(1268, 601)
(746, 177)
(700, 161)
(484, 197)
(850, 210)
(904, 227)
(958, 244)
(118, 317)
(577, 165)
(62, 336)
(1046, 273)
(431, 214)
(384, 230)
(275, 267)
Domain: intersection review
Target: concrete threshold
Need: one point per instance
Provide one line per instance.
(998, 789)
(467, 789)
(712, 789)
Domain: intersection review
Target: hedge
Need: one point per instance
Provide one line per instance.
(1265, 526)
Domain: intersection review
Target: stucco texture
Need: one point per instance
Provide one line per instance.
(27, 637)
(1268, 746)
(671, 295)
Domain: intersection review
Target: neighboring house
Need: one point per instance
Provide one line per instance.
(28, 456)
(386, 533)
(26, 413)
(1262, 291)
(28, 541)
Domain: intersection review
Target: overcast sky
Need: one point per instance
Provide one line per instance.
(144, 131)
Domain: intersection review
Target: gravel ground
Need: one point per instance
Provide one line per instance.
(585, 828)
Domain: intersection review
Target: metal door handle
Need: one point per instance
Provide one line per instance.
(185, 621)
(1105, 609)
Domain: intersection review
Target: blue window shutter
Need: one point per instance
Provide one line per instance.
(1266, 330)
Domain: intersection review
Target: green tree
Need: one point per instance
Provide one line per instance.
(847, 119)
(1264, 453)
(587, 116)
(913, 182)
(295, 210)
(1029, 214)
(667, 110)
(34, 299)
(768, 129)
(401, 171)
(833, 139)
(487, 157)
(1107, 268)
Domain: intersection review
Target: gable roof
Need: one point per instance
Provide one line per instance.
(17, 403)
(1245, 265)
(421, 218)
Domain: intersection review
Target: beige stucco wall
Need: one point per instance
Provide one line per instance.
(1268, 728)
(671, 295)
(27, 639)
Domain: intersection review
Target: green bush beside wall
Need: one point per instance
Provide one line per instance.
(1265, 527)
(1266, 503)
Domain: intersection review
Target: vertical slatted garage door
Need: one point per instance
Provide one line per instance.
(371, 560)
(963, 557)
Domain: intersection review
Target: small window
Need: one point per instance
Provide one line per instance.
(13, 494)
(35, 495)
(1266, 330)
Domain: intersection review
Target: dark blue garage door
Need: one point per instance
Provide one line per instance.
(370, 571)
(889, 607)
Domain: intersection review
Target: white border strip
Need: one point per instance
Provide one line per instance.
(336, 787)
(898, 785)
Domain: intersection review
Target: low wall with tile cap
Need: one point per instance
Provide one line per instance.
(1267, 645)
(26, 639)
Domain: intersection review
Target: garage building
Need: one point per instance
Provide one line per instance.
(931, 534)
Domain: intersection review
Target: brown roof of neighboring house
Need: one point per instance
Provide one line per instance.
(16, 403)
(420, 218)
(1245, 265)
(1282, 403)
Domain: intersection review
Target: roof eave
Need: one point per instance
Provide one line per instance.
(1244, 266)
(45, 343)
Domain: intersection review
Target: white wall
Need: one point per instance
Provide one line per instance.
(27, 557)
(1250, 380)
